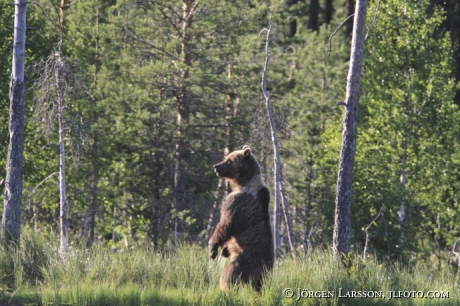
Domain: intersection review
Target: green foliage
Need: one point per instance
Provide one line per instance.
(139, 118)
(315, 88)
(36, 46)
(6, 46)
(408, 115)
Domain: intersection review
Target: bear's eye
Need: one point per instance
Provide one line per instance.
(229, 162)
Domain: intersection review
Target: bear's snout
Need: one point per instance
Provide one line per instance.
(222, 169)
(215, 170)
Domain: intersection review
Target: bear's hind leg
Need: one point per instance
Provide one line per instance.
(233, 274)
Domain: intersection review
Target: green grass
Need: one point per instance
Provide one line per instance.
(38, 274)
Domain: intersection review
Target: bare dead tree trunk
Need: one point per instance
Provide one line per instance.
(126, 223)
(403, 180)
(285, 203)
(91, 222)
(342, 227)
(276, 155)
(11, 221)
(308, 208)
(59, 71)
(457, 255)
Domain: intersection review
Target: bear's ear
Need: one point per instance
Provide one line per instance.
(246, 151)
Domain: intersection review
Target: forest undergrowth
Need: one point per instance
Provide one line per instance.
(39, 274)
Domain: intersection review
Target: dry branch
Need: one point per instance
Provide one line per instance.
(367, 233)
(329, 42)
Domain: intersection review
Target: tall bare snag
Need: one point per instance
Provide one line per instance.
(276, 154)
(342, 227)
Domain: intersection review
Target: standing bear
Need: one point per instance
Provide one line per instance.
(244, 231)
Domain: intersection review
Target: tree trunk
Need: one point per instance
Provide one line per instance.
(285, 203)
(155, 219)
(402, 208)
(308, 208)
(313, 15)
(328, 11)
(62, 7)
(183, 111)
(91, 223)
(62, 185)
(11, 221)
(155, 208)
(276, 155)
(223, 187)
(349, 23)
(342, 226)
(292, 28)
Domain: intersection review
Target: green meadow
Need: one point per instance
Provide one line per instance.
(39, 274)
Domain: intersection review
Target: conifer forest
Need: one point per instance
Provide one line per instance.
(129, 104)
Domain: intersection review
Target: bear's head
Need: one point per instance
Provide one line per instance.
(239, 167)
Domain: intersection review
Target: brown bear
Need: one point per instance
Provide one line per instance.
(244, 231)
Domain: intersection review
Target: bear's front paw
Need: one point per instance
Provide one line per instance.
(213, 250)
(225, 252)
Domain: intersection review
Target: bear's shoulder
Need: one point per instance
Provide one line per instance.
(263, 195)
(243, 197)
(254, 185)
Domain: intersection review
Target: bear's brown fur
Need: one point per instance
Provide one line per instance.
(244, 231)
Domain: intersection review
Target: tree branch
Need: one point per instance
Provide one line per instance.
(44, 180)
(329, 42)
(178, 31)
(44, 11)
(367, 233)
(374, 20)
(193, 10)
(69, 5)
(152, 45)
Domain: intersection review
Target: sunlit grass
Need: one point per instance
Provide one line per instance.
(39, 274)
